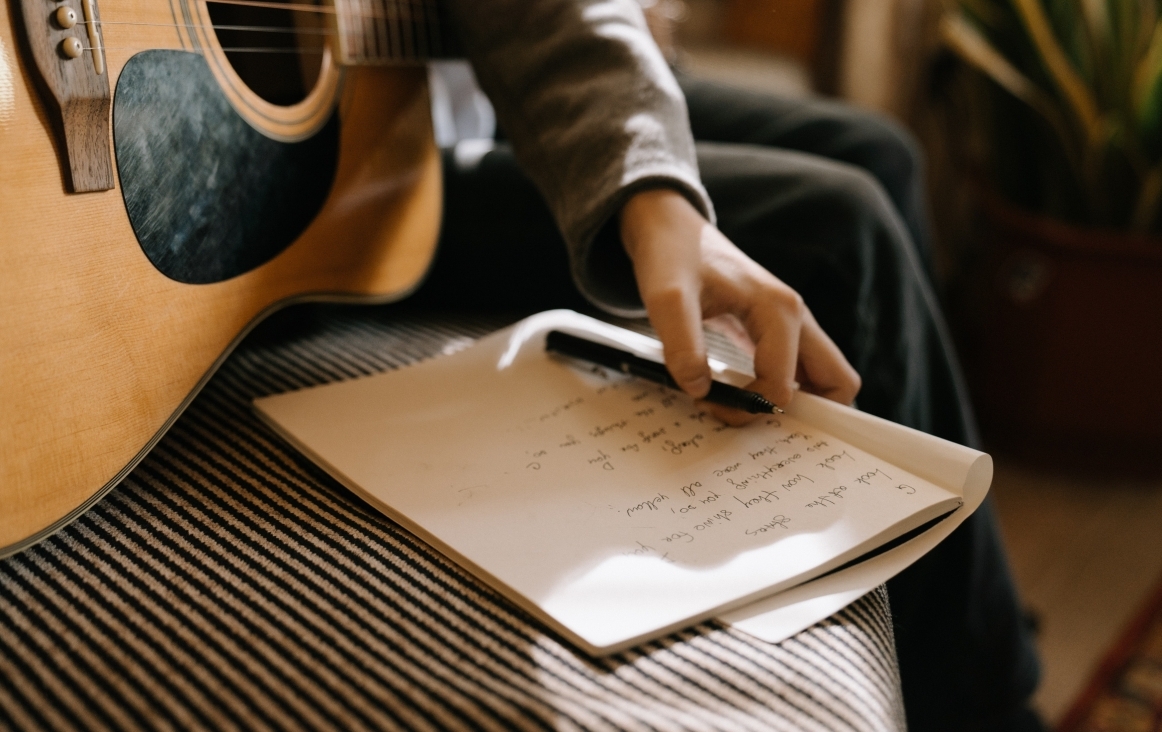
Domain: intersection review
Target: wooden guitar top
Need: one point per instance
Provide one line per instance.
(99, 349)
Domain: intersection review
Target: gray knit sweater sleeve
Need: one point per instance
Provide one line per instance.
(594, 115)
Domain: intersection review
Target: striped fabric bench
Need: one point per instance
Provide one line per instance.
(228, 583)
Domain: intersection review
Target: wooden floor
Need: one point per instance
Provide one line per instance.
(1086, 551)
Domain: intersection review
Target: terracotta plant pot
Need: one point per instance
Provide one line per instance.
(1064, 345)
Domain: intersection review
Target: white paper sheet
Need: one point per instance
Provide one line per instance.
(614, 509)
(959, 469)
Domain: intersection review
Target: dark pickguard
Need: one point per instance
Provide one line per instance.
(208, 196)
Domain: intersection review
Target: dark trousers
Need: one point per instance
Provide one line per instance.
(829, 199)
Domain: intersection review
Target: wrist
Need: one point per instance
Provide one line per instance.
(655, 211)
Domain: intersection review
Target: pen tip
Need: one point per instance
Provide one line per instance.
(762, 405)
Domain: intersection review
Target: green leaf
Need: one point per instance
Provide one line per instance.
(1147, 86)
(1063, 73)
(964, 39)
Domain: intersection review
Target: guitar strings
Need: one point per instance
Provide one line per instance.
(294, 7)
(421, 15)
(420, 6)
(255, 28)
(228, 49)
(280, 6)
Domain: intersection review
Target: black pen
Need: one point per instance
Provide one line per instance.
(626, 362)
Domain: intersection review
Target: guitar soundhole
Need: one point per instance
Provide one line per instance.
(278, 53)
(210, 197)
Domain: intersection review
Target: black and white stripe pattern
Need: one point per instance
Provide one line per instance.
(229, 584)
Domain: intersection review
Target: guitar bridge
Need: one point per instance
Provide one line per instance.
(76, 90)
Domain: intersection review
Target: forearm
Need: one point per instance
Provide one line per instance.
(591, 108)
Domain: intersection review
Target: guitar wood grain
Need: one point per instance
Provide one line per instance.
(101, 351)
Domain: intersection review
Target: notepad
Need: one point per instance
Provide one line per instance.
(616, 510)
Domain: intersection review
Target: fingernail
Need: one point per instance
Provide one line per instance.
(699, 387)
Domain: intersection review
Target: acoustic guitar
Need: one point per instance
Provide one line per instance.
(170, 172)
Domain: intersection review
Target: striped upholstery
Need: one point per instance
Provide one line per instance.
(229, 584)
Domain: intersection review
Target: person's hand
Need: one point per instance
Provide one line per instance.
(688, 272)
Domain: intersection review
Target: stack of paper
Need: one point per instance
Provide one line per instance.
(616, 510)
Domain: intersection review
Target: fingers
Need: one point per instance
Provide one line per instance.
(790, 348)
(688, 272)
(676, 315)
(825, 371)
(788, 357)
(775, 324)
(794, 351)
(662, 234)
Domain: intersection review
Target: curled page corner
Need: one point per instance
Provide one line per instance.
(955, 467)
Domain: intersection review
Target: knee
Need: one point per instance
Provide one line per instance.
(855, 208)
(889, 152)
(799, 212)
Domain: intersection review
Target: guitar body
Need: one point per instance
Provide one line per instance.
(117, 305)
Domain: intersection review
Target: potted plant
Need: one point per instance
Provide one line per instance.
(1066, 346)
